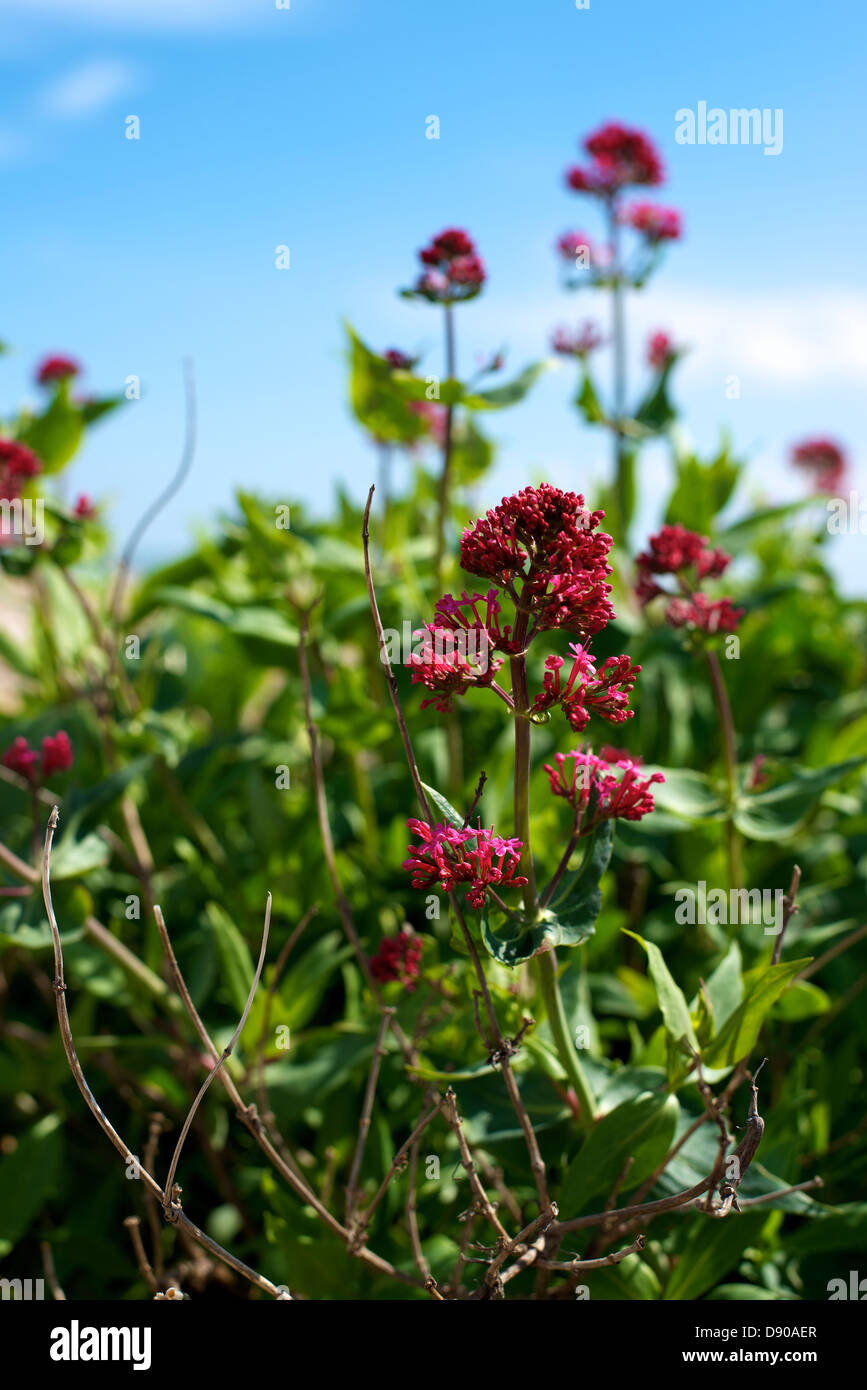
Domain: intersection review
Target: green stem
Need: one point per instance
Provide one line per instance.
(724, 710)
(546, 968)
(445, 475)
(546, 963)
(623, 459)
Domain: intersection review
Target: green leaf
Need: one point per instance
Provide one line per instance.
(641, 1129)
(56, 434)
(711, 1249)
(587, 400)
(75, 857)
(702, 490)
(777, 814)
(725, 987)
(28, 1177)
(738, 1037)
(514, 391)
(235, 960)
(656, 411)
(445, 808)
(686, 793)
(518, 939)
(675, 1010)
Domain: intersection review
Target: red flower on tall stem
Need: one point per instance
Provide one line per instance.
(825, 460)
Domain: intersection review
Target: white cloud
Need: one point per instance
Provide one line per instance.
(87, 89)
(136, 14)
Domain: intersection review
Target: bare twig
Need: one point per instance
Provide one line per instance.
(578, 1266)
(789, 910)
(178, 1217)
(833, 951)
(482, 1199)
(50, 1272)
(153, 511)
(133, 1225)
(366, 1114)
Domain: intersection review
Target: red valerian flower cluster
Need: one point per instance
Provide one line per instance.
(55, 369)
(546, 541)
(570, 243)
(399, 361)
(456, 648)
(56, 756)
(619, 156)
(398, 958)
(445, 856)
(17, 464)
(454, 269)
(577, 344)
(654, 222)
(686, 555)
(587, 691)
(85, 507)
(825, 460)
(595, 793)
(660, 351)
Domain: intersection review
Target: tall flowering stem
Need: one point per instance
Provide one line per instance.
(446, 473)
(624, 463)
(727, 724)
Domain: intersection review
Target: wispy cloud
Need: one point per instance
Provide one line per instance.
(140, 14)
(86, 90)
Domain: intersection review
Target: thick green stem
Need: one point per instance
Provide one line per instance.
(546, 968)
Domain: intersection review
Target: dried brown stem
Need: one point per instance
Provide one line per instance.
(366, 1114)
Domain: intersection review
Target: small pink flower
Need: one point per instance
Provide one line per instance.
(398, 958)
(398, 360)
(620, 155)
(660, 350)
(454, 270)
(595, 793)
(578, 344)
(21, 758)
(571, 243)
(605, 693)
(825, 460)
(704, 614)
(546, 541)
(654, 222)
(54, 369)
(85, 508)
(445, 857)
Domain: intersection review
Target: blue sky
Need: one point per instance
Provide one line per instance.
(306, 127)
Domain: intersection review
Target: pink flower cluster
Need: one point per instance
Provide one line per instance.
(577, 344)
(619, 155)
(55, 369)
(56, 756)
(17, 464)
(457, 646)
(660, 350)
(444, 856)
(547, 541)
(587, 691)
(454, 269)
(825, 460)
(653, 221)
(399, 361)
(590, 785)
(398, 958)
(685, 554)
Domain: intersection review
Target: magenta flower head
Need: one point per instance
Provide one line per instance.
(653, 222)
(475, 858)
(399, 361)
(542, 545)
(660, 351)
(676, 551)
(398, 958)
(578, 344)
(57, 756)
(605, 693)
(85, 507)
(54, 369)
(595, 793)
(825, 460)
(17, 464)
(454, 270)
(620, 155)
